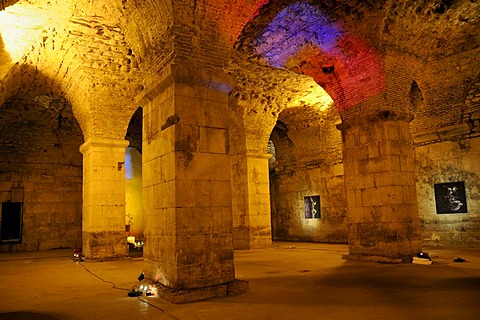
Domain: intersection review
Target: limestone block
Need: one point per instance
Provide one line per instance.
(351, 140)
(358, 152)
(471, 162)
(213, 140)
(45, 196)
(258, 221)
(206, 113)
(359, 214)
(164, 195)
(407, 164)
(359, 182)
(390, 147)
(5, 196)
(255, 197)
(454, 130)
(162, 221)
(186, 193)
(69, 209)
(259, 209)
(214, 113)
(425, 137)
(398, 213)
(160, 245)
(218, 91)
(394, 178)
(191, 221)
(5, 186)
(354, 198)
(108, 218)
(392, 132)
(373, 150)
(380, 164)
(17, 194)
(197, 267)
(204, 166)
(379, 196)
(188, 107)
(351, 168)
(213, 193)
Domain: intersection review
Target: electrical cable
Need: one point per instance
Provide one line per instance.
(158, 308)
(125, 289)
(106, 281)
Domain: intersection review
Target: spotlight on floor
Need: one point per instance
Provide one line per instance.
(77, 254)
(135, 293)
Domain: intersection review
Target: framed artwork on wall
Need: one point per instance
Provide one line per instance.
(312, 207)
(450, 197)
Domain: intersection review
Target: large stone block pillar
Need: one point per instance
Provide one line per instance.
(187, 186)
(380, 187)
(103, 213)
(251, 201)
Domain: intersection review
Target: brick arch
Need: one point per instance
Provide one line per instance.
(25, 85)
(304, 39)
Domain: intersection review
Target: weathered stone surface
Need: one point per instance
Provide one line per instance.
(233, 288)
(378, 224)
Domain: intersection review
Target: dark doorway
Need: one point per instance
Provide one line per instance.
(11, 226)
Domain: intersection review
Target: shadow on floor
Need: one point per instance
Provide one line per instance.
(26, 316)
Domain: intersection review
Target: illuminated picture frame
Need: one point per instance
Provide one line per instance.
(450, 197)
(312, 207)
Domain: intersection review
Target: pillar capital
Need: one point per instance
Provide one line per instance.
(258, 155)
(214, 79)
(100, 142)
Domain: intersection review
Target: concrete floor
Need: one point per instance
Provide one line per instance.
(287, 281)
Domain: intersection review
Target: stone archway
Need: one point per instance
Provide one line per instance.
(133, 192)
(308, 150)
(40, 164)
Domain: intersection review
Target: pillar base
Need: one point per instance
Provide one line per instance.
(177, 296)
(381, 259)
(104, 245)
(244, 240)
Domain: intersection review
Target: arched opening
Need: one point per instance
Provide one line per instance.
(40, 167)
(307, 194)
(133, 190)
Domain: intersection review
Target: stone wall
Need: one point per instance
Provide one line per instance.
(451, 153)
(40, 165)
(288, 207)
(443, 162)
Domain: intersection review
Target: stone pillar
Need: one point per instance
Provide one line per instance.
(380, 187)
(188, 248)
(103, 213)
(251, 201)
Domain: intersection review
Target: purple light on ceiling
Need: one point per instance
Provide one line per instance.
(294, 27)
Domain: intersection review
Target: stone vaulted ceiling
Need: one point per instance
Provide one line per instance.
(98, 55)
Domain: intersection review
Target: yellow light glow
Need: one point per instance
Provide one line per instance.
(131, 239)
(317, 97)
(20, 30)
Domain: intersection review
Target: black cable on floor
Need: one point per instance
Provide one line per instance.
(158, 308)
(115, 287)
(106, 281)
